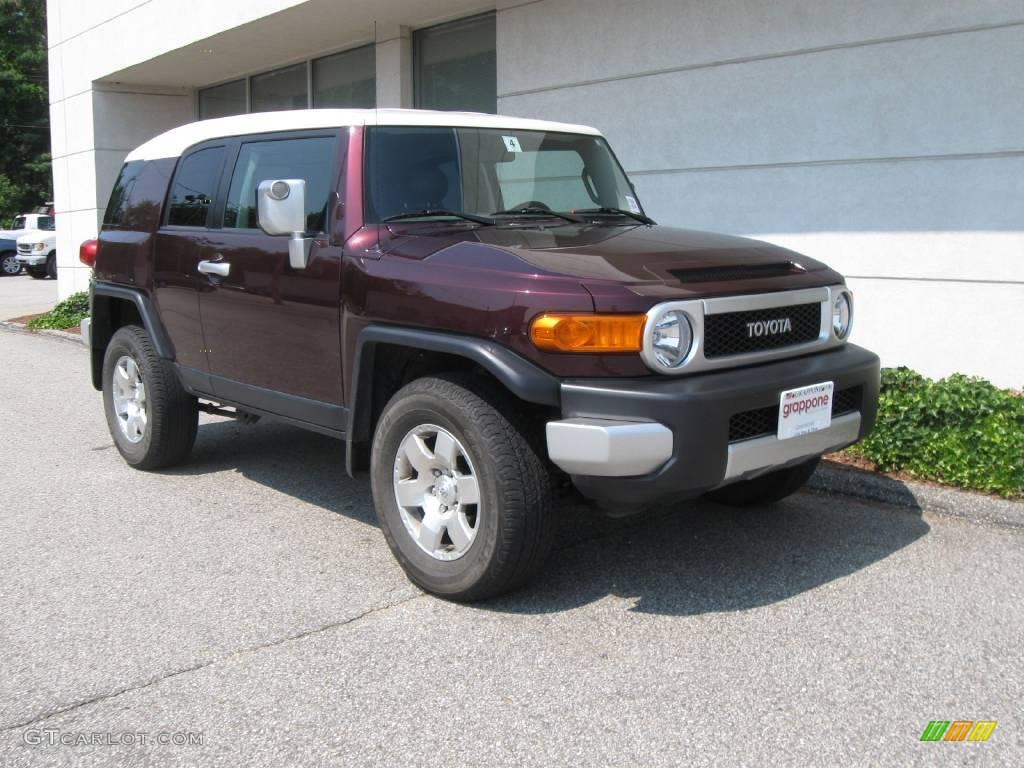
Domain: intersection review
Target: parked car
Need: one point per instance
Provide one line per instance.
(37, 253)
(480, 308)
(28, 222)
(9, 264)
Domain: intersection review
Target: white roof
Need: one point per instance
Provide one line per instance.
(177, 140)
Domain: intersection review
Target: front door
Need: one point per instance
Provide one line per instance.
(272, 333)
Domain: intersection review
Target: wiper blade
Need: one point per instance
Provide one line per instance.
(619, 211)
(441, 212)
(538, 211)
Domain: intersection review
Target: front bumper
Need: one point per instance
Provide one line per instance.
(32, 259)
(639, 441)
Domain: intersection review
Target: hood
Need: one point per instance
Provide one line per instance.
(654, 261)
(38, 236)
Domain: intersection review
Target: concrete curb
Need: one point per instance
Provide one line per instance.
(78, 339)
(848, 481)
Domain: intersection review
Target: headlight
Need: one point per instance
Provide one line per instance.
(39, 246)
(671, 338)
(842, 315)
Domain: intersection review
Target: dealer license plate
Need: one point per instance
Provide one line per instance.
(805, 410)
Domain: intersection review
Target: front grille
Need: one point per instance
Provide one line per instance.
(24, 249)
(730, 333)
(765, 421)
(737, 272)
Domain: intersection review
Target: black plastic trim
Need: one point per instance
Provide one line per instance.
(326, 418)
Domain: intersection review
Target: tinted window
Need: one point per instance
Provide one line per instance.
(122, 192)
(19, 222)
(311, 159)
(346, 80)
(222, 100)
(456, 66)
(280, 89)
(194, 186)
(46, 222)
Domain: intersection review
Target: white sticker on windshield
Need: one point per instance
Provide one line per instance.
(512, 144)
(634, 206)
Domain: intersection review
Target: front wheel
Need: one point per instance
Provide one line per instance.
(9, 264)
(151, 417)
(768, 488)
(51, 265)
(39, 273)
(463, 498)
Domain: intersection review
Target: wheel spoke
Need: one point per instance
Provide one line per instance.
(469, 490)
(419, 455)
(445, 450)
(459, 531)
(411, 492)
(431, 530)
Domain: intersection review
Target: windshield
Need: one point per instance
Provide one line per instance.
(19, 222)
(486, 171)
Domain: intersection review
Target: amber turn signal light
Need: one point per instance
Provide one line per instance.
(588, 333)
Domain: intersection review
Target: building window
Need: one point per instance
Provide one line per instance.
(346, 80)
(281, 89)
(456, 66)
(222, 100)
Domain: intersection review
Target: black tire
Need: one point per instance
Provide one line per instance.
(39, 273)
(51, 265)
(9, 265)
(766, 489)
(514, 521)
(172, 414)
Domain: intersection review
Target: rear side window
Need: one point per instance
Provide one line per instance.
(311, 159)
(122, 193)
(194, 185)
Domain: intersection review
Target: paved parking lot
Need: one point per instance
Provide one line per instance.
(23, 295)
(250, 598)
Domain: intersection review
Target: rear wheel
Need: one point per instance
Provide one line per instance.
(768, 488)
(463, 499)
(152, 419)
(9, 264)
(51, 265)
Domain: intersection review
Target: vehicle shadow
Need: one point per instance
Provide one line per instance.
(696, 558)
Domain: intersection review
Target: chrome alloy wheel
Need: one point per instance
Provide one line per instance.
(437, 492)
(10, 265)
(129, 394)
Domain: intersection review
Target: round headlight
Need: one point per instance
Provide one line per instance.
(842, 314)
(672, 338)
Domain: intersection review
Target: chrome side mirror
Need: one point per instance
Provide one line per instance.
(281, 205)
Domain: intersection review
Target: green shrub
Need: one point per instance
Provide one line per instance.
(65, 315)
(961, 431)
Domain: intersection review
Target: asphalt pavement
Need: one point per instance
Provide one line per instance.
(247, 600)
(22, 295)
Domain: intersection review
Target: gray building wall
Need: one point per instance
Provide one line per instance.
(882, 137)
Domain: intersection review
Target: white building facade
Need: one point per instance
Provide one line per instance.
(883, 137)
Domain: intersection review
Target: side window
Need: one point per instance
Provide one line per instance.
(311, 159)
(194, 185)
(46, 223)
(122, 193)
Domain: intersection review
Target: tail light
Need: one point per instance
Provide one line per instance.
(87, 252)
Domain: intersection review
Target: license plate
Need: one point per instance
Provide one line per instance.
(805, 410)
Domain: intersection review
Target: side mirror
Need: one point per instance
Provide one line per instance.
(281, 205)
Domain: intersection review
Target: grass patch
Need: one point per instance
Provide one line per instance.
(960, 431)
(65, 315)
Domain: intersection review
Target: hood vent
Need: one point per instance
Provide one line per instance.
(736, 272)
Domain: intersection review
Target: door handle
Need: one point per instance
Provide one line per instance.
(218, 268)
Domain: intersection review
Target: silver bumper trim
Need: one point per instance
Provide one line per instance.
(608, 448)
(86, 328)
(751, 457)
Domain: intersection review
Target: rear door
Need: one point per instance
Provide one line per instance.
(181, 243)
(273, 332)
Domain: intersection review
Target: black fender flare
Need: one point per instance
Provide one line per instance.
(102, 328)
(522, 378)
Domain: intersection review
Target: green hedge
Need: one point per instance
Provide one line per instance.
(960, 431)
(66, 314)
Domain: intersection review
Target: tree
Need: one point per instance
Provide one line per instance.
(25, 175)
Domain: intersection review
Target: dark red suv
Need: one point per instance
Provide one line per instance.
(479, 307)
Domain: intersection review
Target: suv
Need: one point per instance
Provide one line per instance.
(479, 307)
